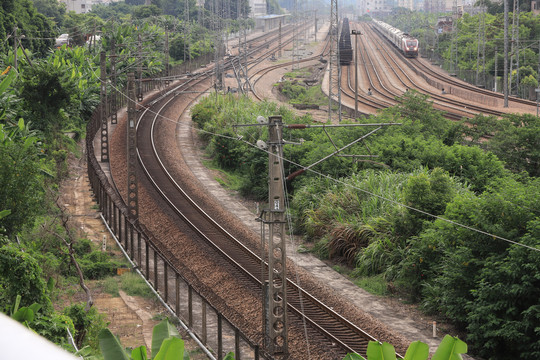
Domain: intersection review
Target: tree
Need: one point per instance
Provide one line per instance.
(52, 9)
(504, 316)
(21, 189)
(518, 143)
(45, 90)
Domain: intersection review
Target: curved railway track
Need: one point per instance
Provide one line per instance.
(416, 65)
(453, 109)
(324, 324)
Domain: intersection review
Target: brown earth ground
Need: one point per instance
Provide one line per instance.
(131, 318)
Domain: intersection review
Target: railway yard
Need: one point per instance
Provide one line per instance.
(211, 238)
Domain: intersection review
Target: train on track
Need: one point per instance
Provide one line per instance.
(406, 44)
(345, 47)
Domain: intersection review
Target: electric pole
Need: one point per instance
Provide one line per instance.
(113, 78)
(166, 56)
(15, 40)
(133, 189)
(275, 291)
(139, 70)
(103, 97)
(505, 80)
(356, 33)
(295, 47)
(334, 87)
(279, 37)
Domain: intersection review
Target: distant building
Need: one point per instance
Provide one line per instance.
(79, 6)
(444, 24)
(443, 6)
(408, 4)
(474, 10)
(435, 6)
(258, 8)
(375, 7)
(535, 7)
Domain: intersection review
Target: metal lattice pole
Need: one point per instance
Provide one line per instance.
(275, 296)
(103, 97)
(133, 189)
(113, 80)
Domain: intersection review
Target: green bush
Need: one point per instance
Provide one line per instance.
(20, 274)
(97, 265)
(82, 247)
(87, 324)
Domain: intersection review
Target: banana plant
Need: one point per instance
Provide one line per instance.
(450, 348)
(166, 345)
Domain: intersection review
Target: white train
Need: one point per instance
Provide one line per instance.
(403, 41)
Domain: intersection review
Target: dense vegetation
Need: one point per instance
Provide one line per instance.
(443, 213)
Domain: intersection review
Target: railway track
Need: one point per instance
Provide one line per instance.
(324, 324)
(416, 65)
(387, 94)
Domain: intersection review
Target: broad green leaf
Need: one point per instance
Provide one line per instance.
(17, 303)
(35, 307)
(162, 331)
(171, 349)
(110, 346)
(7, 80)
(353, 356)
(450, 349)
(417, 351)
(229, 356)
(139, 353)
(4, 213)
(24, 314)
(378, 351)
(21, 124)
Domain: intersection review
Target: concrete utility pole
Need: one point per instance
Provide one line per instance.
(334, 77)
(279, 38)
(15, 41)
(139, 70)
(505, 77)
(315, 25)
(356, 33)
(113, 78)
(296, 45)
(275, 290)
(133, 188)
(166, 56)
(187, 36)
(103, 97)
(496, 56)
